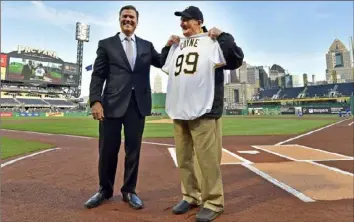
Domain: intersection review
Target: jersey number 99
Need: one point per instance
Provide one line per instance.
(191, 60)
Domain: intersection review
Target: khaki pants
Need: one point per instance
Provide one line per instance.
(198, 151)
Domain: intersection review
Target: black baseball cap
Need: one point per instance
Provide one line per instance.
(191, 12)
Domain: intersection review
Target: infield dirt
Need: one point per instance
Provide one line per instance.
(54, 186)
(160, 121)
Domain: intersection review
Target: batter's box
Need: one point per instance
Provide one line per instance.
(302, 153)
(228, 158)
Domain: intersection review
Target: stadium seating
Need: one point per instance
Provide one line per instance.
(319, 90)
(346, 89)
(290, 93)
(59, 102)
(8, 101)
(34, 102)
(267, 94)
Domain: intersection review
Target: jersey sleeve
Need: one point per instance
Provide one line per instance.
(216, 55)
(166, 67)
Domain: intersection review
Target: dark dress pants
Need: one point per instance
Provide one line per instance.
(109, 145)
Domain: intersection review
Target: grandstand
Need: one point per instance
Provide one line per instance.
(316, 91)
(315, 99)
(29, 98)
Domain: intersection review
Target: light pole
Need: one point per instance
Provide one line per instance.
(82, 35)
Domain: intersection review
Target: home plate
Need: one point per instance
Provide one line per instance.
(249, 151)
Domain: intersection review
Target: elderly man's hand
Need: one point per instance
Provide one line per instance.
(214, 33)
(174, 39)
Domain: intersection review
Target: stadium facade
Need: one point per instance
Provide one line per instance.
(36, 80)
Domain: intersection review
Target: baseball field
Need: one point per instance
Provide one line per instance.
(275, 168)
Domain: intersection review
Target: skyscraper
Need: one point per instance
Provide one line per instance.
(338, 61)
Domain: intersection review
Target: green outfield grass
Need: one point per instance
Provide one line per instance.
(56, 75)
(15, 68)
(86, 126)
(240, 125)
(14, 147)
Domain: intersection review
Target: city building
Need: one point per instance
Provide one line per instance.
(339, 65)
(158, 84)
(237, 94)
(297, 80)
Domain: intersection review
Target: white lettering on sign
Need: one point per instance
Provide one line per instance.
(27, 49)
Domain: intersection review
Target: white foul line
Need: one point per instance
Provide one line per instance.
(172, 151)
(324, 151)
(237, 156)
(160, 144)
(27, 156)
(248, 164)
(278, 154)
(48, 134)
(307, 161)
(331, 168)
(253, 152)
(309, 133)
(285, 187)
(350, 123)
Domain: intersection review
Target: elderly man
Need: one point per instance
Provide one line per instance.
(195, 91)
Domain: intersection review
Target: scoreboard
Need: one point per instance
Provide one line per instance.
(38, 66)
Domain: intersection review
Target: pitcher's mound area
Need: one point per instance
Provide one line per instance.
(160, 121)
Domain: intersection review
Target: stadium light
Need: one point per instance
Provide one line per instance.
(82, 32)
(82, 35)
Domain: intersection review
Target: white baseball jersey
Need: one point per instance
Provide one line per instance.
(39, 72)
(190, 66)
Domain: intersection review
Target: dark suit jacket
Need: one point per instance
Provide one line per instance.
(26, 72)
(112, 66)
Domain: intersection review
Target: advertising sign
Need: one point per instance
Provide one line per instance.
(3, 66)
(30, 50)
(3, 73)
(316, 110)
(336, 110)
(287, 110)
(5, 114)
(3, 60)
(71, 74)
(233, 111)
(25, 114)
(57, 114)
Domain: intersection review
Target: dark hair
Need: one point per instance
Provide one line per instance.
(129, 7)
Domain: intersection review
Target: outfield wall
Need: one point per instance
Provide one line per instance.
(158, 104)
(42, 114)
(292, 110)
(352, 104)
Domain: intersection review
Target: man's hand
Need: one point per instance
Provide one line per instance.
(97, 111)
(173, 40)
(214, 33)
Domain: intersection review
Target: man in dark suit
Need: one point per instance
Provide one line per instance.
(27, 71)
(123, 62)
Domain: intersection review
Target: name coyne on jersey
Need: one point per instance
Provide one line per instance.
(189, 43)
